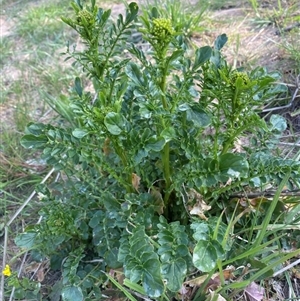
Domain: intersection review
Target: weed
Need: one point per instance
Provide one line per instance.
(152, 165)
(153, 171)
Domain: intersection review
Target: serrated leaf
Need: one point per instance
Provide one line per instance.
(36, 142)
(205, 256)
(72, 293)
(174, 272)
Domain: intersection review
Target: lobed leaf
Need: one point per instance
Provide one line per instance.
(72, 293)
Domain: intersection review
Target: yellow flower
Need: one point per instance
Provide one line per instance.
(6, 271)
(162, 28)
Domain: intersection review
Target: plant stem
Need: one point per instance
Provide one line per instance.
(166, 149)
(120, 152)
(233, 106)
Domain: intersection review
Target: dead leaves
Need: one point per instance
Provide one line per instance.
(253, 292)
(37, 270)
(135, 180)
(196, 204)
(215, 281)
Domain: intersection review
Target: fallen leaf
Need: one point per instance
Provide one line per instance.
(214, 281)
(158, 200)
(254, 292)
(200, 207)
(106, 147)
(135, 180)
(40, 275)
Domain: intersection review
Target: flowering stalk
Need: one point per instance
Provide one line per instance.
(161, 35)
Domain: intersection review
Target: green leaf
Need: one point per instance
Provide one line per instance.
(36, 129)
(152, 280)
(203, 54)
(142, 263)
(111, 258)
(220, 41)
(79, 133)
(26, 240)
(36, 142)
(78, 87)
(201, 231)
(278, 123)
(155, 144)
(233, 165)
(116, 123)
(174, 56)
(205, 256)
(198, 116)
(72, 293)
(174, 272)
(168, 134)
(134, 73)
(132, 13)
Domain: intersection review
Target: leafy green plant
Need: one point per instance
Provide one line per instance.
(186, 18)
(150, 160)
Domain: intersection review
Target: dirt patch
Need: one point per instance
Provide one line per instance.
(5, 27)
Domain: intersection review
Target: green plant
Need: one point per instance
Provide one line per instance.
(23, 287)
(151, 158)
(186, 18)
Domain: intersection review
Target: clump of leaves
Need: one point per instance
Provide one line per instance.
(150, 159)
(187, 18)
